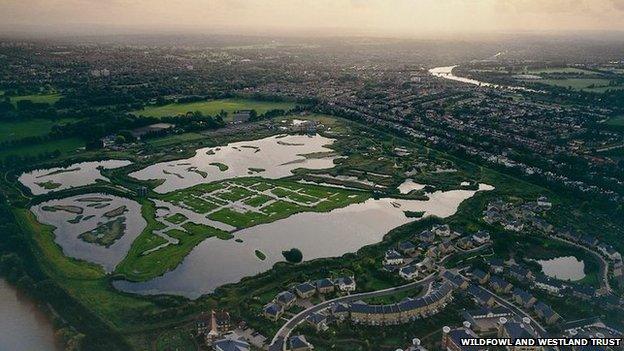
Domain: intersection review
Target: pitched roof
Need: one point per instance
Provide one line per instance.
(324, 283)
(231, 345)
(286, 296)
(305, 287)
(272, 309)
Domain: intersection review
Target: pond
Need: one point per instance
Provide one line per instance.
(22, 325)
(98, 228)
(564, 268)
(43, 181)
(273, 157)
(217, 262)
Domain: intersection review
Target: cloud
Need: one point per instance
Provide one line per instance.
(389, 16)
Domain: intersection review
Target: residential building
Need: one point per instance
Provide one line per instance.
(299, 343)
(273, 311)
(480, 276)
(345, 284)
(546, 313)
(452, 339)
(324, 286)
(500, 285)
(286, 299)
(409, 272)
(231, 345)
(523, 298)
(393, 258)
(305, 290)
(516, 330)
(481, 237)
(406, 248)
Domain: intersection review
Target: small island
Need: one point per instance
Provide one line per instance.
(293, 255)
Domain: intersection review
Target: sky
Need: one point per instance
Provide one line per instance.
(333, 17)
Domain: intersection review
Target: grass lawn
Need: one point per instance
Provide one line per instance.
(616, 121)
(578, 83)
(175, 139)
(15, 130)
(63, 145)
(176, 218)
(214, 107)
(559, 70)
(38, 98)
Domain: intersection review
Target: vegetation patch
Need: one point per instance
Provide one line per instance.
(261, 256)
(49, 185)
(213, 107)
(116, 212)
(66, 208)
(293, 255)
(222, 167)
(107, 233)
(176, 218)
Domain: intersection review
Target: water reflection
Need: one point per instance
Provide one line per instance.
(564, 268)
(272, 157)
(119, 221)
(43, 181)
(216, 262)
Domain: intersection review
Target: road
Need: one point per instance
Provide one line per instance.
(285, 330)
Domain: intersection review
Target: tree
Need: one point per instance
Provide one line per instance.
(293, 255)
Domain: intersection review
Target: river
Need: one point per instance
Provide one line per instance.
(446, 72)
(23, 327)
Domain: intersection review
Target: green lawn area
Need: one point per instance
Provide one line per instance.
(38, 98)
(214, 107)
(559, 70)
(616, 121)
(174, 139)
(63, 145)
(15, 130)
(176, 218)
(579, 83)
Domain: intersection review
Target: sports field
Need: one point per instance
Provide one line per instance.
(38, 98)
(15, 130)
(213, 107)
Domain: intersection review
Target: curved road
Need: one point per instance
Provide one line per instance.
(285, 330)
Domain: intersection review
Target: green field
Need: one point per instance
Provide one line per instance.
(38, 98)
(15, 130)
(289, 198)
(550, 70)
(616, 121)
(598, 84)
(64, 146)
(213, 107)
